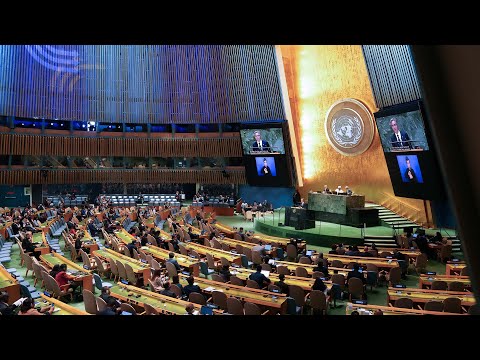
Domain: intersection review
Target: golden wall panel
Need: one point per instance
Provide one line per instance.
(318, 76)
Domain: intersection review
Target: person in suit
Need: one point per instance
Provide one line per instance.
(399, 139)
(296, 197)
(356, 273)
(191, 287)
(112, 307)
(302, 203)
(348, 190)
(171, 259)
(326, 190)
(166, 291)
(132, 247)
(259, 144)
(261, 279)
(265, 170)
(409, 173)
(282, 285)
(92, 228)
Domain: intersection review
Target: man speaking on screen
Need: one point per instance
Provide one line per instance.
(399, 139)
(259, 144)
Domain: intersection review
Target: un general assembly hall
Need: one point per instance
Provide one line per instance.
(307, 180)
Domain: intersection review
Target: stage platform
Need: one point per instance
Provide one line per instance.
(324, 234)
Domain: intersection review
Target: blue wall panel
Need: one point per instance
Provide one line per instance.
(278, 196)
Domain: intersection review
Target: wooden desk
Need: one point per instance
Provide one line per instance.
(139, 268)
(381, 263)
(86, 275)
(256, 296)
(423, 295)
(227, 230)
(233, 243)
(124, 236)
(292, 266)
(89, 242)
(41, 242)
(413, 254)
(163, 304)
(454, 268)
(10, 285)
(216, 253)
(282, 242)
(65, 309)
(305, 283)
(388, 310)
(427, 280)
(184, 261)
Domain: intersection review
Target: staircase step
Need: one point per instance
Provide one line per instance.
(380, 237)
(383, 217)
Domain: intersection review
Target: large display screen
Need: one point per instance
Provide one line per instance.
(262, 141)
(267, 170)
(407, 147)
(403, 131)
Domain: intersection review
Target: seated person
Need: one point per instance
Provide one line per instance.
(27, 308)
(348, 191)
(326, 190)
(66, 281)
(5, 308)
(28, 246)
(355, 273)
(225, 273)
(260, 248)
(112, 307)
(320, 285)
(174, 261)
(132, 247)
(334, 249)
(166, 291)
(261, 279)
(282, 285)
(191, 287)
(176, 281)
(55, 270)
(321, 268)
(79, 245)
(190, 309)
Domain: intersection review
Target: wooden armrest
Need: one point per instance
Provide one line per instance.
(209, 299)
(142, 313)
(390, 304)
(265, 312)
(419, 307)
(464, 310)
(307, 296)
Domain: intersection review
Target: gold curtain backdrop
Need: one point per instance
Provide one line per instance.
(318, 76)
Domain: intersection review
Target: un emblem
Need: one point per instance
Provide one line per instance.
(349, 127)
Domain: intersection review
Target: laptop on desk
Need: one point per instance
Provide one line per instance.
(268, 247)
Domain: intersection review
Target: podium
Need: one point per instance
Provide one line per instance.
(342, 209)
(299, 218)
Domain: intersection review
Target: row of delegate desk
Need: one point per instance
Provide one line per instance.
(388, 310)
(425, 295)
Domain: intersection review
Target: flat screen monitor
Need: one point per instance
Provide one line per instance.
(409, 151)
(262, 140)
